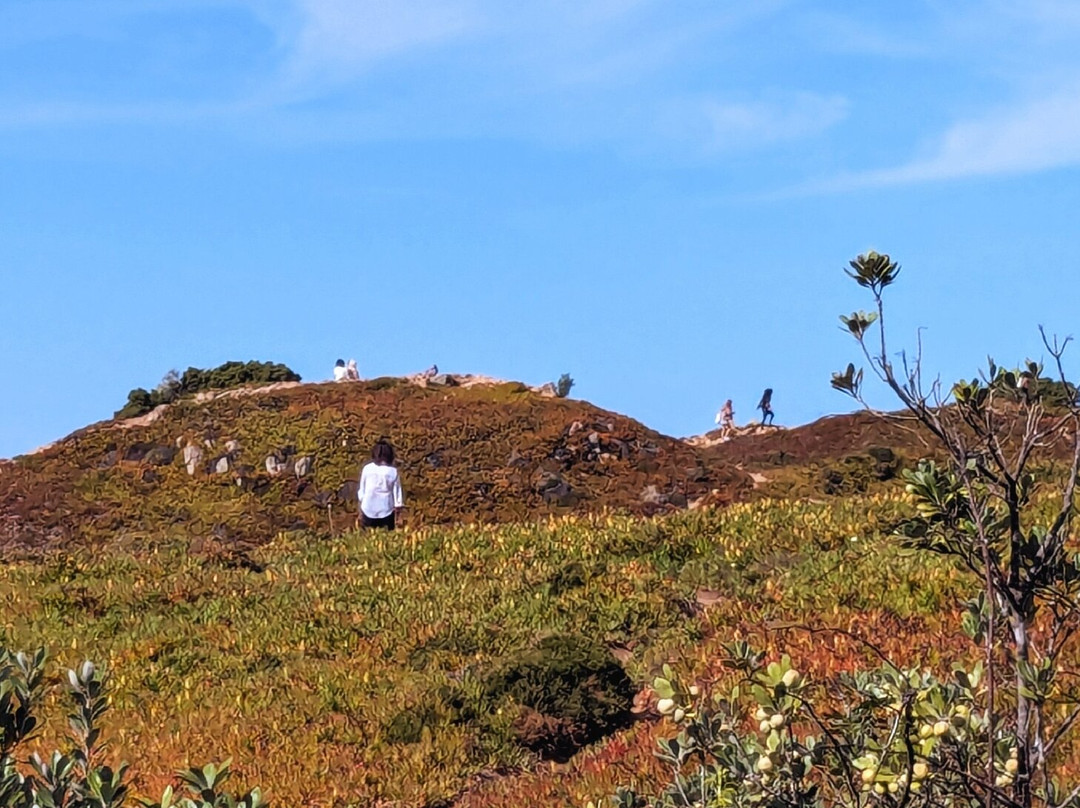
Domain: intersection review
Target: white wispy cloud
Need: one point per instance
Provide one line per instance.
(839, 33)
(52, 114)
(1033, 136)
(793, 117)
(338, 38)
(632, 73)
(711, 126)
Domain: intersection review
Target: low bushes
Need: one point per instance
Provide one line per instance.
(857, 473)
(565, 692)
(193, 380)
(570, 692)
(565, 383)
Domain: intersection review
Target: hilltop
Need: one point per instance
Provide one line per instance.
(237, 467)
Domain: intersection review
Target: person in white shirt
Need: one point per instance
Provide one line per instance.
(340, 371)
(380, 488)
(351, 372)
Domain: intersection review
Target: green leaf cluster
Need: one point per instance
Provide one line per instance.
(194, 380)
(77, 777)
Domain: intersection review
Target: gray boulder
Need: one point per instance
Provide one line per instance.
(160, 456)
(192, 458)
(517, 460)
(554, 489)
(652, 496)
(302, 468)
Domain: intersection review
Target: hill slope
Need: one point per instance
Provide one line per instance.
(239, 467)
(367, 669)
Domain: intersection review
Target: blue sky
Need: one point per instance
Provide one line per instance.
(658, 197)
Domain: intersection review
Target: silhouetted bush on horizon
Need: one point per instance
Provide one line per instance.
(231, 374)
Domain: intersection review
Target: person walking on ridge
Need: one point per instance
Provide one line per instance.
(726, 419)
(380, 488)
(765, 405)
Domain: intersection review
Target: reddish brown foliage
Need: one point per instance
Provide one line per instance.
(497, 453)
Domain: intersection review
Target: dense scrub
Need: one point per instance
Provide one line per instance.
(194, 380)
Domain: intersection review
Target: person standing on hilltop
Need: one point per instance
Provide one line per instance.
(351, 372)
(380, 488)
(726, 419)
(340, 371)
(765, 405)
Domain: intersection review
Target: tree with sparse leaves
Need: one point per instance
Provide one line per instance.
(1001, 502)
(979, 507)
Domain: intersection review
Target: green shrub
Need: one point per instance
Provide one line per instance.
(572, 575)
(407, 727)
(235, 374)
(571, 692)
(139, 402)
(887, 737)
(194, 380)
(383, 383)
(75, 778)
(857, 473)
(562, 388)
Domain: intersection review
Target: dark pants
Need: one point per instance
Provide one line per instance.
(387, 522)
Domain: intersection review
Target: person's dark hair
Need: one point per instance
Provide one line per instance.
(340, 363)
(382, 452)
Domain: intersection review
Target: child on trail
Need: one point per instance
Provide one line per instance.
(380, 488)
(726, 419)
(765, 405)
(340, 371)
